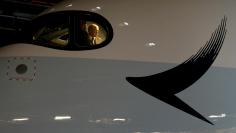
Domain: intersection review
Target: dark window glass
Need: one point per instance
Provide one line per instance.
(52, 31)
(72, 30)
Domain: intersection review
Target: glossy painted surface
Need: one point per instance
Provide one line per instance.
(153, 30)
(87, 95)
(86, 91)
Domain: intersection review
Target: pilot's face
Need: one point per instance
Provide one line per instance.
(93, 31)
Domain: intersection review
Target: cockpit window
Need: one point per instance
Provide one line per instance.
(52, 31)
(72, 30)
(55, 35)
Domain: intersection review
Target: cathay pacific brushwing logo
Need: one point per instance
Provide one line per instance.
(164, 86)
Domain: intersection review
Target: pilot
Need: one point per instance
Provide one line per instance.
(93, 34)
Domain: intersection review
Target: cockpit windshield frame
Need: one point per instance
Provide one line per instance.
(70, 20)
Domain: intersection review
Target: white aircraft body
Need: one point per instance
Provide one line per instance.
(125, 66)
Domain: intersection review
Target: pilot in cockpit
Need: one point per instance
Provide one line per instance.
(93, 30)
